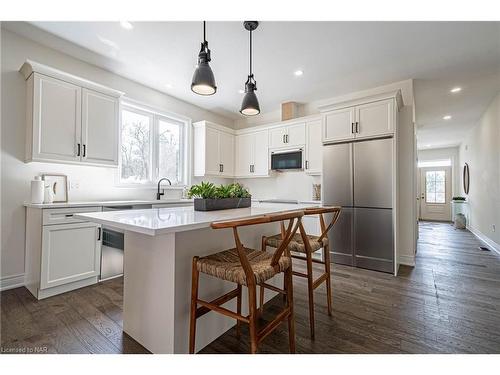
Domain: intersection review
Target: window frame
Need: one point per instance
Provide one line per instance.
(185, 147)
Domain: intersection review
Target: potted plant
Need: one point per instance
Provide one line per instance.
(208, 197)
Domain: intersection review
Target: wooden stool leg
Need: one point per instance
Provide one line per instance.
(291, 318)
(326, 256)
(261, 300)
(195, 275)
(238, 310)
(252, 312)
(310, 290)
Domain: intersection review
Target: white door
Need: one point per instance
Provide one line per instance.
(435, 193)
(70, 252)
(226, 144)
(314, 148)
(296, 135)
(244, 154)
(339, 125)
(212, 152)
(374, 119)
(57, 119)
(100, 128)
(277, 137)
(261, 154)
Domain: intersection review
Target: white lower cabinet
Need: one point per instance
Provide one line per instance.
(70, 252)
(63, 253)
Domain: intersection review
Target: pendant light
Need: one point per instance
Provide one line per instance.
(203, 78)
(250, 105)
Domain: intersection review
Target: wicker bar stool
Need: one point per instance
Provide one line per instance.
(249, 267)
(307, 244)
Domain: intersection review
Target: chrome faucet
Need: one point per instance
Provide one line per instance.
(158, 194)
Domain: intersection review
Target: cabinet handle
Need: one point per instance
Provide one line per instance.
(352, 127)
(222, 167)
(78, 150)
(357, 127)
(84, 150)
(307, 164)
(286, 137)
(99, 234)
(69, 215)
(250, 168)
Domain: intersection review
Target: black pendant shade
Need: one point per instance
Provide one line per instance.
(203, 78)
(250, 104)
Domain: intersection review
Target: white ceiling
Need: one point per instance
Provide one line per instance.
(336, 57)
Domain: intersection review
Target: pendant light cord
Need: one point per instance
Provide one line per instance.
(250, 52)
(204, 34)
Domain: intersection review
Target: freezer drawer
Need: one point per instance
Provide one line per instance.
(341, 238)
(373, 173)
(374, 239)
(337, 175)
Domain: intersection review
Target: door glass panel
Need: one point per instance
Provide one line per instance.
(435, 187)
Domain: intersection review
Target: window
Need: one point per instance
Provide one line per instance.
(435, 182)
(152, 146)
(434, 163)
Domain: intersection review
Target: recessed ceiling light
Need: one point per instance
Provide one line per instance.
(447, 117)
(456, 89)
(298, 73)
(240, 91)
(126, 25)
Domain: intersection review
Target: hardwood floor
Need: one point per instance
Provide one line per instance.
(448, 303)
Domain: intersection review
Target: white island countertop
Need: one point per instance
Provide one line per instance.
(156, 221)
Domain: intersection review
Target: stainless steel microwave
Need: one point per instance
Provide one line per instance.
(289, 159)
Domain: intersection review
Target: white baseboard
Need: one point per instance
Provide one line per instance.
(11, 282)
(488, 241)
(407, 260)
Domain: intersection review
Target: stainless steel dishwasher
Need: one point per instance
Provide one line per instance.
(113, 245)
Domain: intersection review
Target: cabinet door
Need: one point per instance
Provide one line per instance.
(338, 125)
(296, 135)
(314, 148)
(277, 137)
(226, 144)
(212, 156)
(70, 252)
(57, 119)
(99, 128)
(375, 119)
(244, 154)
(261, 153)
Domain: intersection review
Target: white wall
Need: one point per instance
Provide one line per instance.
(95, 183)
(481, 150)
(448, 153)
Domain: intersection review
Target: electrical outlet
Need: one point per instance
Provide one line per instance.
(74, 184)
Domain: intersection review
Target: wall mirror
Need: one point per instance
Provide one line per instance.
(466, 178)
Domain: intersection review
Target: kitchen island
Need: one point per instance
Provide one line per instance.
(159, 246)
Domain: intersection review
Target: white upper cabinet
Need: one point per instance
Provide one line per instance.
(339, 125)
(213, 150)
(374, 119)
(100, 114)
(314, 148)
(55, 130)
(69, 119)
(369, 118)
(252, 154)
(288, 136)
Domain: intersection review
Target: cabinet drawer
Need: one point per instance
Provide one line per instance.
(65, 215)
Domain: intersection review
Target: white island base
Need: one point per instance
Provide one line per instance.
(157, 286)
(159, 247)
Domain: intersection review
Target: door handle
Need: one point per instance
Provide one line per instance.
(84, 150)
(99, 234)
(78, 150)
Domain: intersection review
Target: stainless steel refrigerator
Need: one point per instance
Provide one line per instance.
(359, 177)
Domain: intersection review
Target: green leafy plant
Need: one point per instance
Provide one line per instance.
(207, 190)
